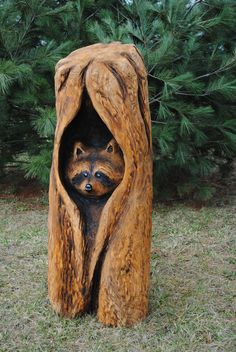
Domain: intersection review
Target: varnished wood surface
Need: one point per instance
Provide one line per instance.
(116, 271)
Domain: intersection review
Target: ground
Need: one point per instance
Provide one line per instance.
(192, 291)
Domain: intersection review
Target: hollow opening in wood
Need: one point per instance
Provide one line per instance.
(87, 149)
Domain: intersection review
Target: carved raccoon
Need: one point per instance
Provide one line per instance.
(95, 172)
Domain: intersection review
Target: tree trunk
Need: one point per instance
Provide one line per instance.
(99, 247)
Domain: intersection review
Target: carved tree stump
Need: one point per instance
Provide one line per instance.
(99, 247)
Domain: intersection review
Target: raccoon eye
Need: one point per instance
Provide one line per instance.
(85, 174)
(110, 149)
(97, 174)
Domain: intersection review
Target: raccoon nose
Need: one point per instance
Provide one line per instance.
(88, 187)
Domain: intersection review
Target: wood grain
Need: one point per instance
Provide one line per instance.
(115, 271)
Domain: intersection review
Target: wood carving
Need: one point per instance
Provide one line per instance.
(100, 195)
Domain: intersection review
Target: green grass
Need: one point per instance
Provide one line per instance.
(191, 295)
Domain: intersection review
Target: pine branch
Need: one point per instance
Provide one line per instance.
(195, 3)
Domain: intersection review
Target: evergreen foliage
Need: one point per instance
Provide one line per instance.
(34, 35)
(189, 51)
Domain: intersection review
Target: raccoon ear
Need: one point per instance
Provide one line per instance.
(79, 148)
(112, 146)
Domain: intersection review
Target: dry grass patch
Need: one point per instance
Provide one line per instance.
(191, 297)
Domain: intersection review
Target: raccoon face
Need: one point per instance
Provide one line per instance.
(95, 172)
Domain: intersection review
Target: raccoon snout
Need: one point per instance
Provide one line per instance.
(88, 187)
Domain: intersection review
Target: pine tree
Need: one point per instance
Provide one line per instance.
(34, 35)
(26, 78)
(189, 51)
